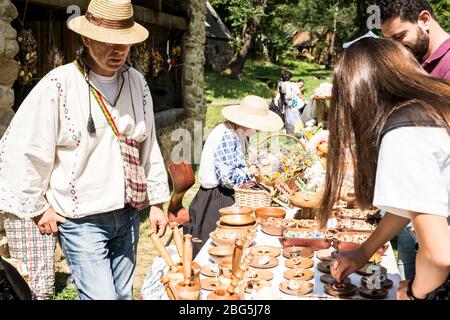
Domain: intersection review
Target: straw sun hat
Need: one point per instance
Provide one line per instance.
(254, 113)
(110, 21)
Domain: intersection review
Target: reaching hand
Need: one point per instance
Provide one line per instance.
(48, 222)
(346, 263)
(158, 220)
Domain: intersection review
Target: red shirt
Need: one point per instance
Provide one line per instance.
(438, 64)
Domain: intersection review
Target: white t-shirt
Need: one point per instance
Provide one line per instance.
(107, 85)
(413, 172)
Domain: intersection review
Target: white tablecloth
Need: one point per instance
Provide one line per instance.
(263, 239)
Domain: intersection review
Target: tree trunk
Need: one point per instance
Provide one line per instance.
(236, 65)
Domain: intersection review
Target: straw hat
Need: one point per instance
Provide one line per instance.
(254, 113)
(110, 21)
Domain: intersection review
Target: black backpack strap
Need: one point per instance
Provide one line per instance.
(408, 117)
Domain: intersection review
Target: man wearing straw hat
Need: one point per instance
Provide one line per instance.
(81, 156)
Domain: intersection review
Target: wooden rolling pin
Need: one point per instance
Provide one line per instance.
(177, 237)
(187, 259)
(237, 255)
(162, 251)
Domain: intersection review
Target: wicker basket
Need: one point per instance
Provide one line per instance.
(252, 198)
(300, 143)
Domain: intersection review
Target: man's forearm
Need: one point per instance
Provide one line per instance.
(388, 228)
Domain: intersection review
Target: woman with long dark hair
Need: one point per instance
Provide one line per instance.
(394, 120)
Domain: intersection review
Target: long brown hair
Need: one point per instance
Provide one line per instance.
(374, 78)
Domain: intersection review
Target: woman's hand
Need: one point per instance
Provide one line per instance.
(158, 220)
(48, 222)
(347, 263)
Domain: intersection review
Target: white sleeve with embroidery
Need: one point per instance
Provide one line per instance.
(157, 180)
(27, 152)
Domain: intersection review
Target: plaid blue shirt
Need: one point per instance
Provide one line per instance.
(230, 162)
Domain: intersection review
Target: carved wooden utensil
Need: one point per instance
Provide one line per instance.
(187, 259)
(177, 238)
(237, 255)
(162, 251)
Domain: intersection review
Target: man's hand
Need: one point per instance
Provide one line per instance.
(48, 222)
(347, 263)
(158, 220)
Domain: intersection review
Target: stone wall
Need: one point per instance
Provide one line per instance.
(9, 70)
(193, 82)
(8, 49)
(218, 52)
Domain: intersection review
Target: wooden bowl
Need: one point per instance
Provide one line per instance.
(222, 255)
(276, 226)
(238, 219)
(251, 227)
(235, 210)
(355, 225)
(228, 238)
(306, 199)
(345, 245)
(269, 212)
(313, 243)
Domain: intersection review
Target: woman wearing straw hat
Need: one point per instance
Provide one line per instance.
(81, 155)
(222, 165)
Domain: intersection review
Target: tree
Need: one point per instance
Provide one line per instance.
(245, 15)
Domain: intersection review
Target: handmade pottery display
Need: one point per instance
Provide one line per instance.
(264, 262)
(370, 269)
(340, 289)
(227, 238)
(210, 270)
(292, 252)
(328, 278)
(298, 274)
(264, 213)
(296, 287)
(265, 250)
(315, 239)
(221, 255)
(385, 284)
(373, 293)
(324, 254)
(299, 262)
(324, 266)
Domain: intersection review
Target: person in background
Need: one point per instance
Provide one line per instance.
(222, 164)
(289, 93)
(399, 119)
(413, 23)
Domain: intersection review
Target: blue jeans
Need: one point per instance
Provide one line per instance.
(406, 245)
(101, 253)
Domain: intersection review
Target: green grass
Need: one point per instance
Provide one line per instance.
(261, 78)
